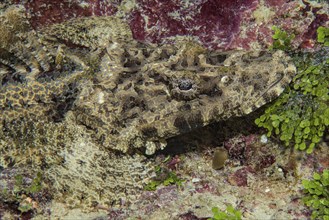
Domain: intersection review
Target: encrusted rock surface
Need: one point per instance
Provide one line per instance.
(217, 24)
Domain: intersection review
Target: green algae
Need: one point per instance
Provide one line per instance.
(229, 214)
(317, 195)
(301, 114)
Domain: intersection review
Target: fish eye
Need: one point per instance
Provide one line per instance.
(185, 84)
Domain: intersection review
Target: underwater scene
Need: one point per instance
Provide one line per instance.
(164, 109)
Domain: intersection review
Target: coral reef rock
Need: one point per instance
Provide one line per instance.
(217, 24)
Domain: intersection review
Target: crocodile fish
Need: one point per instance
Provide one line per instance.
(127, 93)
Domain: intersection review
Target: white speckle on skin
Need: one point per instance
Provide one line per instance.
(114, 46)
(224, 79)
(100, 98)
(150, 148)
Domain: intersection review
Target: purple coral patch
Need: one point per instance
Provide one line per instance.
(215, 22)
(223, 24)
(218, 24)
(240, 177)
(45, 12)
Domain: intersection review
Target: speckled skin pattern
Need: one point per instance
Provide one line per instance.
(130, 94)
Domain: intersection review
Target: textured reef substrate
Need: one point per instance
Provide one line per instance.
(73, 177)
(218, 24)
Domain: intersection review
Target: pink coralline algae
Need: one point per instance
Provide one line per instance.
(240, 148)
(173, 163)
(214, 22)
(46, 12)
(245, 149)
(226, 24)
(320, 20)
(190, 216)
(217, 24)
(240, 177)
